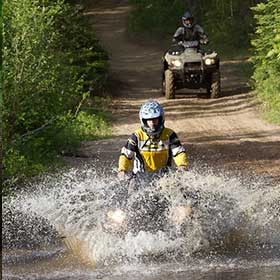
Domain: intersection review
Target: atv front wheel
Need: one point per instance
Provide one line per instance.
(215, 88)
(169, 84)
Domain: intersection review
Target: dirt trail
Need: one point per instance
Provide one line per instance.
(225, 133)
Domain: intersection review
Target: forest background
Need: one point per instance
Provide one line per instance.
(54, 71)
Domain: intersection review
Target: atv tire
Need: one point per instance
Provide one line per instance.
(215, 86)
(169, 84)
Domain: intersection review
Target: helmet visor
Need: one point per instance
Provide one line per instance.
(153, 126)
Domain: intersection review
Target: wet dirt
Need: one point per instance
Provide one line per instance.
(227, 133)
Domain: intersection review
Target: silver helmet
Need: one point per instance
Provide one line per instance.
(151, 110)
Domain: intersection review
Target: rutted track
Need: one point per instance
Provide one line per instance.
(224, 133)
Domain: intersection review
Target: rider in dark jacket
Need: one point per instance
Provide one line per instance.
(190, 31)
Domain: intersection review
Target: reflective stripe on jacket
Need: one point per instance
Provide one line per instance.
(149, 154)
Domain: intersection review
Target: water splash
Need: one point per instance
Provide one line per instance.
(230, 215)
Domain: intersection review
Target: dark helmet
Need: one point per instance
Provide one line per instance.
(150, 110)
(188, 20)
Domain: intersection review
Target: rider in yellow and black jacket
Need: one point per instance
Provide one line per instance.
(152, 147)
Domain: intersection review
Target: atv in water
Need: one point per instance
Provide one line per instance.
(185, 65)
(140, 205)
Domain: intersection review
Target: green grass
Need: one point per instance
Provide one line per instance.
(271, 102)
(272, 116)
(42, 152)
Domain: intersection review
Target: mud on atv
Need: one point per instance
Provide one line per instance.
(186, 66)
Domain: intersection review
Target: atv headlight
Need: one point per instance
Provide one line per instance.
(176, 63)
(117, 216)
(209, 61)
(179, 213)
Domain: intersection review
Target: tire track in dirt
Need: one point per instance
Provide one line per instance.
(225, 133)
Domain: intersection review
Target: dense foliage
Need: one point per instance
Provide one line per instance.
(52, 66)
(156, 17)
(1, 101)
(227, 22)
(267, 56)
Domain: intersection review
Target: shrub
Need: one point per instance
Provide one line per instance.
(52, 64)
(266, 58)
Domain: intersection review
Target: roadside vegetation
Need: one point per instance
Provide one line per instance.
(53, 71)
(266, 57)
(227, 22)
(244, 29)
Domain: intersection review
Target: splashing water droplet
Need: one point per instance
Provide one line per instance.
(227, 215)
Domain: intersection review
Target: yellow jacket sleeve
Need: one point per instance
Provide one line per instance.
(181, 159)
(124, 163)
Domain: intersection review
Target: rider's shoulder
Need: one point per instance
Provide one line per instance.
(180, 29)
(142, 135)
(167, 131)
